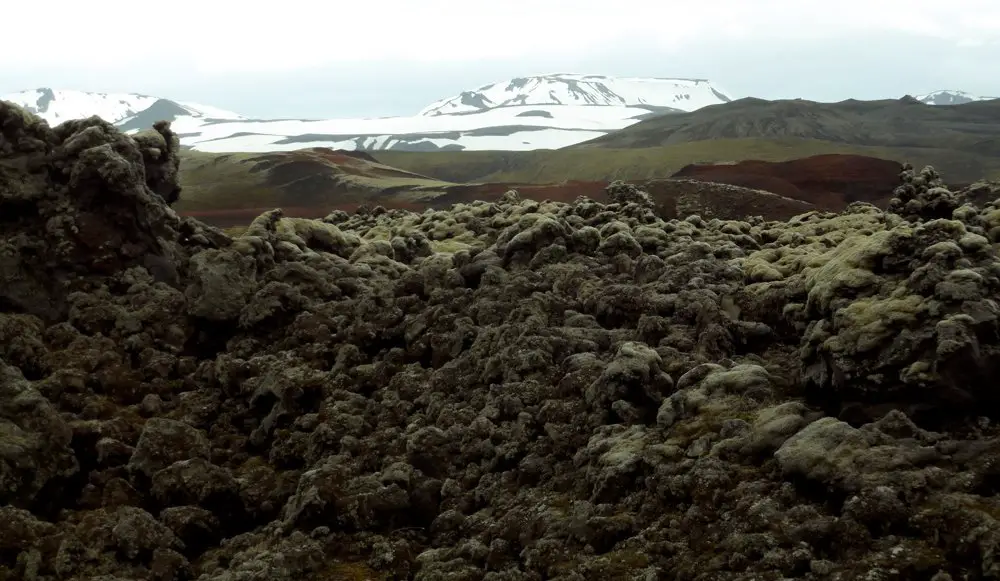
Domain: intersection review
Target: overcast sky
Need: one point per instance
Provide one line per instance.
(314, 58)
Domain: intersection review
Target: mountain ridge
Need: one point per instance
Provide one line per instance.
(535, 112)
(972, 127)
(950, 97)
(58, 105)
(546, 111)
(579, 89)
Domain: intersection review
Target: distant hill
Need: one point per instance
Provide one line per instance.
(972, 128)
(311, 178)
(535, 112)
(643, 163)
(229, 190)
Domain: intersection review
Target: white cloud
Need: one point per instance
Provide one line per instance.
(217, 36)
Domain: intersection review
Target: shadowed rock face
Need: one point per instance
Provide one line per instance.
(498, 390)
(82, 201)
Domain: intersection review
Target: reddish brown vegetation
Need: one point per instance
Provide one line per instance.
(286, 166)
(561, 192)
(829, 181)
(677, 198)
(243, 216)
(823, 182)
(565, 192)
(674, 198)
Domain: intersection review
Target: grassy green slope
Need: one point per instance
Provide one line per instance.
(604, 164)
(214, 181)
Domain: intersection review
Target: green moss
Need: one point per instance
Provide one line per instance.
(866, 323)
(379, 232)
(14, 438)
(989, 506)
(450, 245)
(845, 270)
(991, 218)
(710, 418)
(736, 380)
(759, 269)
(217, 181)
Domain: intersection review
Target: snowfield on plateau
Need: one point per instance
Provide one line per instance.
(950, 97)
(538, 112)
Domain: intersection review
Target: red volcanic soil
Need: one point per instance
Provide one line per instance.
(565, 192)
(348, 162)
(243, 216)
(821, 182)
(561, 192)
(831, 181)
(674, 198)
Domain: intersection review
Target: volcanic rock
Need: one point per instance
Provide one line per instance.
(499, 390)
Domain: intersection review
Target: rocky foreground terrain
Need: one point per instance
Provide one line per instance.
(501, 391)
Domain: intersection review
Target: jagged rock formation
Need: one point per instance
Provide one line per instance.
(501, 391)
(80, 202)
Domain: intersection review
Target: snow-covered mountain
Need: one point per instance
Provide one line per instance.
(538, 112)
(946, 97)
(568, 89)
(122, 109)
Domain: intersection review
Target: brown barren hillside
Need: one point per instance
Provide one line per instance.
(308, 178)
(673, 197)
(832, 180)
(971, 127)
(313, 182)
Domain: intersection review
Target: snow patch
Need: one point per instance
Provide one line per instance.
(576, 89)
(950, 97)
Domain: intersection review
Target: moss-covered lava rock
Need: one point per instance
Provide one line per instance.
(499, 391)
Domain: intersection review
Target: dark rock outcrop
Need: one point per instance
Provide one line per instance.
(81, 202)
